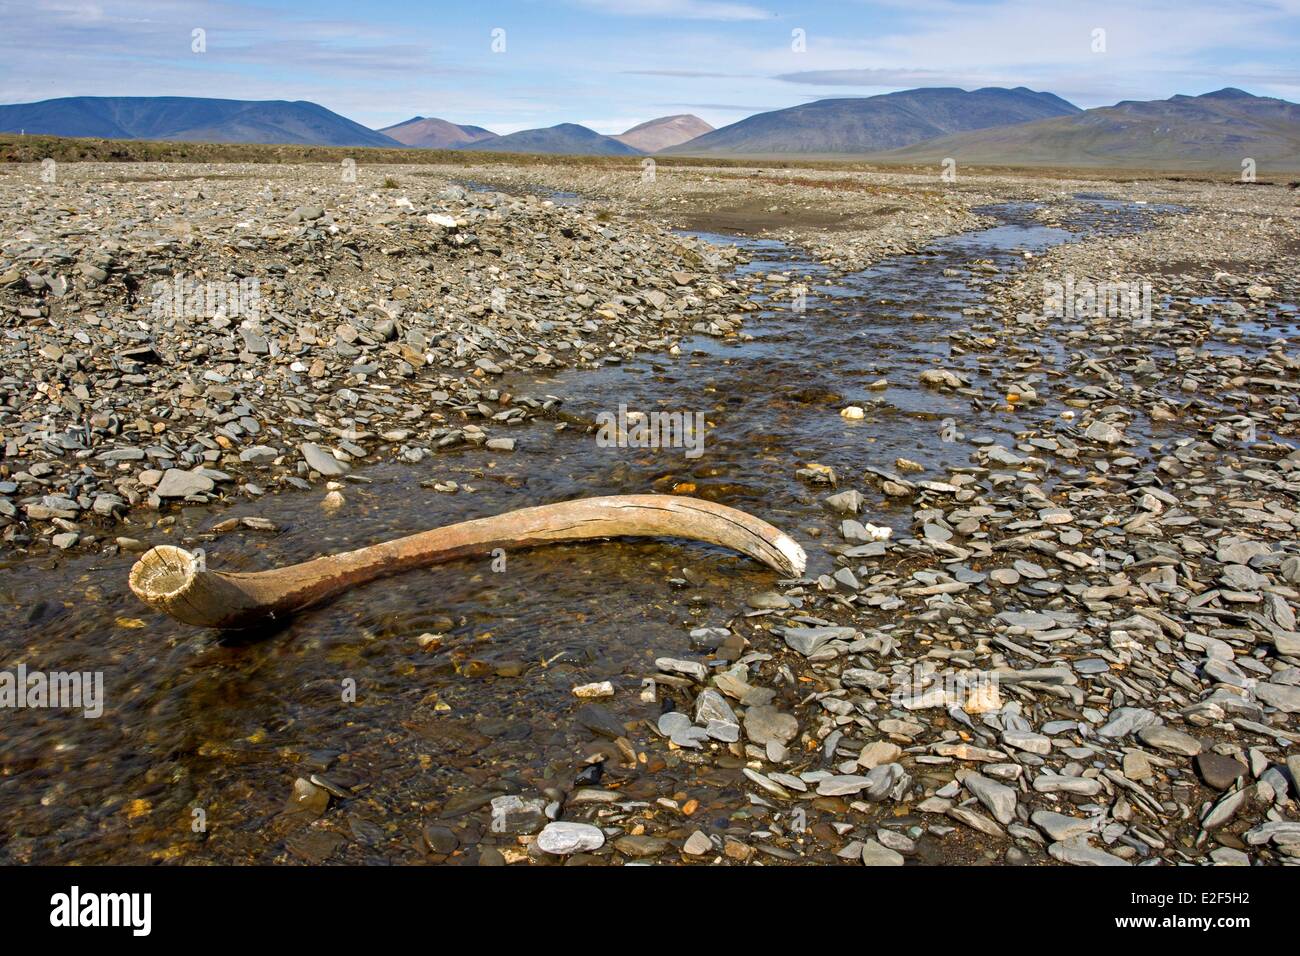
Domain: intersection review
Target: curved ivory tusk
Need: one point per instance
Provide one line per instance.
(171, 579)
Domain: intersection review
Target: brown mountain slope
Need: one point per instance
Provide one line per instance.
(1213, 131)
(657, 134)
(428, 132)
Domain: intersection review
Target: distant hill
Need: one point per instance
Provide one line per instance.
(191, 119)
(657, 134)
(428, 132)
(1212, 131)
(874, 123)
(567, 138)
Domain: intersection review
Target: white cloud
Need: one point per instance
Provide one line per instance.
(679, 9)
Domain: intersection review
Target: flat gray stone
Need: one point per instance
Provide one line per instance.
(1029, 620)
(764, 724)
(693, 669)
(875, 854)
(848, 502)
(697, 844)
(259, 455)
(1058, 826)
(841, 785)
(1103, 432)
(1219, 771)
(179, 484)
(1285, 697)
(809, 640)
(320, 460)
(998, 798)
(1166, 738)
(1077, 854)
(1061, 783)
(1027, 741)
(1126, 720)
(715, 715)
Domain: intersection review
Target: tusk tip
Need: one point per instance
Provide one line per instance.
(793, 554)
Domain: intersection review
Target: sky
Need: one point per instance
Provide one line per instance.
(610, 64)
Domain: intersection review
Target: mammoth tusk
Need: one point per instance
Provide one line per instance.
(173, 580)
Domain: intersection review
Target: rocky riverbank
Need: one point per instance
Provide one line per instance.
(180, 334)
(1050, 612)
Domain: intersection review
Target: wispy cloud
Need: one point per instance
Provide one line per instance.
(883, 77)
(722, 107)
(679, 9)
(686, 74)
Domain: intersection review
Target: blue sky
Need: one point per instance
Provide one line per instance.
(610, 64)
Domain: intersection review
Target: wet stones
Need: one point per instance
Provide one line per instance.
(641, 846)
(847, 502)
(692, 669)
(440, 839)
(600, 720)
(716, 716)
(307, 801)
(765, 724)
(875, 854)
(514, 814)
(941, 378)
(878, 753)
(1130, 587)
(697, 844)
(678, 728)
(1103, 433)
(563, 838)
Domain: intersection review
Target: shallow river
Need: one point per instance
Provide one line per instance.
(440, 725)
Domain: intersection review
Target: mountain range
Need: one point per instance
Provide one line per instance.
(189, 118)
(1213, 131)
(872, 123)
(572, 139)
(989, 126)
(566, 138)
